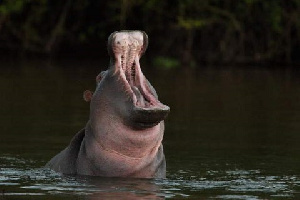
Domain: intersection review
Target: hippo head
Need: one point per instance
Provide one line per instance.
(123, 94)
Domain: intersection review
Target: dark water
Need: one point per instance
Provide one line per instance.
(231, 134)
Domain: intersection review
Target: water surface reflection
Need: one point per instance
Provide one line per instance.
(231, 134)
(23, 180)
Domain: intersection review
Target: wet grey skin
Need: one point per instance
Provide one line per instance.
(123, 137)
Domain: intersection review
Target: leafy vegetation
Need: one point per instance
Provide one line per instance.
(165, 62)
(209, 31)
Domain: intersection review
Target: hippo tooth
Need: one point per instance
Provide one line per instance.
(139, 96)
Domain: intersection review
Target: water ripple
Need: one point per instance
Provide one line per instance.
(18, 178)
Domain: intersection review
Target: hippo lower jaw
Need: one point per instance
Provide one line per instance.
(147, 110)
(149, 117)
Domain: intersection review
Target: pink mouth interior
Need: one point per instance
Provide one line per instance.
(142, 95)
(127, 49)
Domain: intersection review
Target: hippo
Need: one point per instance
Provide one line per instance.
(123, 136)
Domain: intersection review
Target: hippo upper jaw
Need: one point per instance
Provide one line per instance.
(125, 49)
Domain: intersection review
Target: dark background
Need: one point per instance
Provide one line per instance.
(185, 32)
(233, 129)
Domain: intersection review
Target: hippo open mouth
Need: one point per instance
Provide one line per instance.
(127, 48)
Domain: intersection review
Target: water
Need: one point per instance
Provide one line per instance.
(232, 133)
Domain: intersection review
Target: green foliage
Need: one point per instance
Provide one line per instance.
(188, 30)
(11, 6)
(165, 62)
(276, 16)
(191, 23)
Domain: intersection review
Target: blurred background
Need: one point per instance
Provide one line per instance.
(229, 70)
(180, 31)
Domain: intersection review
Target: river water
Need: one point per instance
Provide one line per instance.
(232, 133)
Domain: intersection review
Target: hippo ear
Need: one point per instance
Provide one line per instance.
(145, 42)
(87, 95)
(109, 43)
